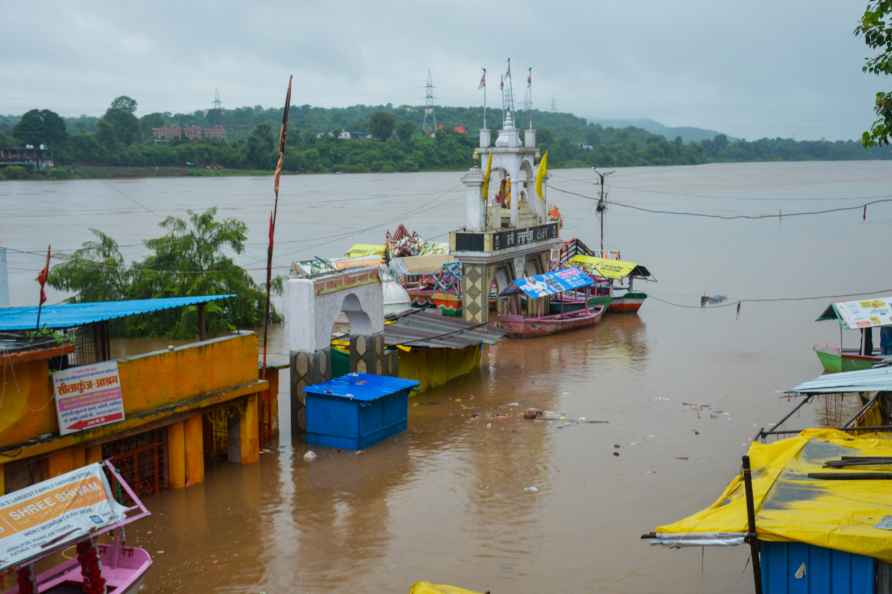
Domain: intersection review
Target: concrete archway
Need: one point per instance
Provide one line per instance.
(313, 305)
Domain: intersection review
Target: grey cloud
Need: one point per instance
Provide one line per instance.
(755, 68)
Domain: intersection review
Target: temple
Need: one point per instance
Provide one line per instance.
(507, 233)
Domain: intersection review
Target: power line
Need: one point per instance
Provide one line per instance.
(706, 215)
(738, 302)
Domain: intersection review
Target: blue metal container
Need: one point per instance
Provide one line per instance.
(797, 568)
(357, 410)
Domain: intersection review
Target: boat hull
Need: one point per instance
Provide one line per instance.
(123, 569)
(834, 361)
(571, 305)
(516, 326)
(628, 303)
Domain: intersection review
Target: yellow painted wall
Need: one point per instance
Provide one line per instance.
(147, 382)
(176, 455)
(434, 367)
(194, 435)
(27, 405)
(150, 381)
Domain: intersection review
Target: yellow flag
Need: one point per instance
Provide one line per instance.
(541, 172)
(484, 189)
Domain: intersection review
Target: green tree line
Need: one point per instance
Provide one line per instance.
(383, 138)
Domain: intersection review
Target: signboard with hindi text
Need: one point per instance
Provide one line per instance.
(88, 396)
(54, 513)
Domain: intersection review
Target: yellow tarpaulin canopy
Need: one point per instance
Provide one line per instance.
(358, 250)
(615, 269)
(429, 588)
(853, 516)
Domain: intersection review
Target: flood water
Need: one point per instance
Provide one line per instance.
(449, 500)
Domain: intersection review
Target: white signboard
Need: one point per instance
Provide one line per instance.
(866, 313)
(88, 396)
(51, 514)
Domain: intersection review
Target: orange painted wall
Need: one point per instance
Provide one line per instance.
(147, 382)
(26, 395)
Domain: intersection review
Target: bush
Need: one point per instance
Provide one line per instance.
(15, 172)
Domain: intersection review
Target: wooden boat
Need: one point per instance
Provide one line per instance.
(863, 316)
(526, 309)
(519, 326)
(91, 509)
(616, 277)
(566, 304)
(628, 302)
(834, 360)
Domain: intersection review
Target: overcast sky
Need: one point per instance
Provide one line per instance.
(750, 68)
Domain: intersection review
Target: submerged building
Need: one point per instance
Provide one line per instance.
(158, 416)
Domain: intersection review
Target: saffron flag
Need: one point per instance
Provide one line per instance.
(482, 84)
(541, 172)
(44, 274)
(484, 189)
(283, 134)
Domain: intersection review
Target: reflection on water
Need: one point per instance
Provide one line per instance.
(472, 493)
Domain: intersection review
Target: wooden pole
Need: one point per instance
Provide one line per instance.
(280, 161)
(751, 537)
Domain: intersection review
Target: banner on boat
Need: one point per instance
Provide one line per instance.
(865, 313)
(551, 283)
(54, 513)
(613, 269)
(88, 396)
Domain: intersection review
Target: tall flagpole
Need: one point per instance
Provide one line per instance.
(280, 162)
(483, 82)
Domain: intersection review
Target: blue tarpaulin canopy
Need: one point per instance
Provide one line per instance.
(72, 315)
(361, 386)
(551, 283)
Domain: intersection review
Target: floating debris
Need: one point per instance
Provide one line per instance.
(310, 456)
(531, 489)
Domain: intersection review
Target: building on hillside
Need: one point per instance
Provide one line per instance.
(460, 129)
(344, 135)
(217, 132)
(167, 133)
(191, 133)
(39, 158)
(158, 416)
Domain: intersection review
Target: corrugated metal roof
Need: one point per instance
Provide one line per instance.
(71, 315)
(432, 330)
(867, 380)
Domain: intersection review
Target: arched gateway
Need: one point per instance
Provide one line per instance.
(312, 305)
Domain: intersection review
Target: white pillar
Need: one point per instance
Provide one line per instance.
(475, 207)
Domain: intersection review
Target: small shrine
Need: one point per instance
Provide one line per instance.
(507, 232)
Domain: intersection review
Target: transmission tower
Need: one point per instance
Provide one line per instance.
(429, 125)
(553, 104)
(218, 104)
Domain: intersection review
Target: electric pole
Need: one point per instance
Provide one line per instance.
(602, 201)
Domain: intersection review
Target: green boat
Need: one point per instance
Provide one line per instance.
(863, 315)
(570, 304)
(834, 361)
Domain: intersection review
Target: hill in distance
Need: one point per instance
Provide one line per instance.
(687, 133)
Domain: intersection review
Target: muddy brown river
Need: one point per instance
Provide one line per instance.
(472, 494)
